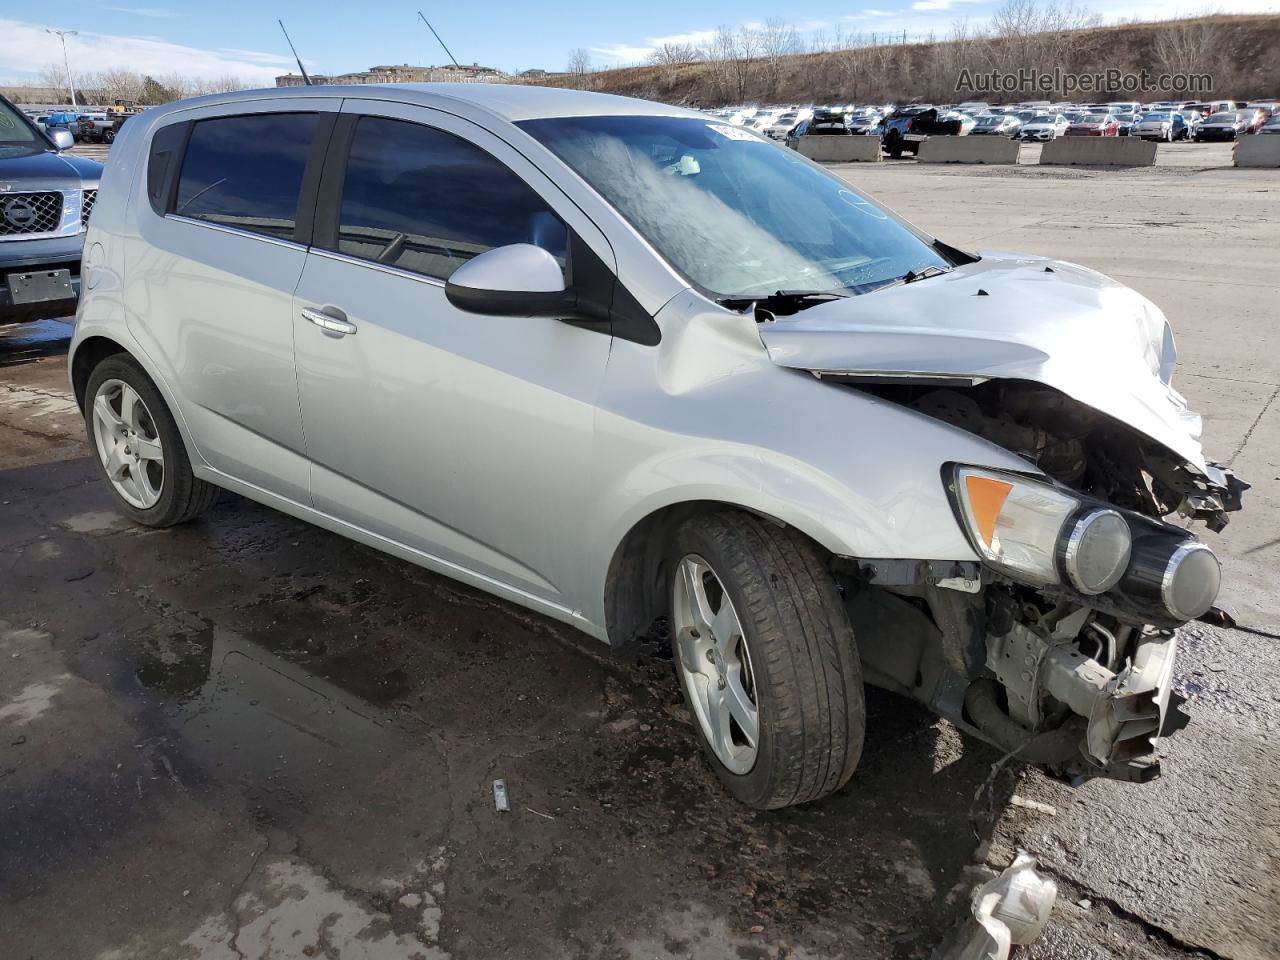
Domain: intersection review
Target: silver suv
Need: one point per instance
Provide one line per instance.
(45, 201)
(641, 371)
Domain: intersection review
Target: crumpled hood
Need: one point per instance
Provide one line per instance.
(1007, 317)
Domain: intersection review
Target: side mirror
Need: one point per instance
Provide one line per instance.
(62, 139)
(519, 280)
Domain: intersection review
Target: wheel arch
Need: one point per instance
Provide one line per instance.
(88, 353)
(636, 585)
(91, 347)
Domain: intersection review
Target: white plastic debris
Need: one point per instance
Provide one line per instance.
(1036, 805)
(1011, 908)
(500, 796)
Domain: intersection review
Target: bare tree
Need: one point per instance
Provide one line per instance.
(227, 83)
(1029, 35)
(746, 56)
(777, 42)
(119, 83)
(851, 59)
(579, 61)
(54, 76)
(720, 57)
(817, 65)
(1186, 46)
(672, 56)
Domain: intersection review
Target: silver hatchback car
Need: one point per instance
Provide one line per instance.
(639, 370)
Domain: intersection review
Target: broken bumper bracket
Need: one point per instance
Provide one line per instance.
(1124, 712)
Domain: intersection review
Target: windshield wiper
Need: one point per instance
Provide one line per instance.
(924, 273)
(785, 301)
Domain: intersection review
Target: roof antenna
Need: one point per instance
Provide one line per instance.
(438, 40)
(305, 78)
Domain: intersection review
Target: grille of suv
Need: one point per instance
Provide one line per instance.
(87, 200)
(23, 213)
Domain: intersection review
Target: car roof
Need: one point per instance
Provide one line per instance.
(505, 101)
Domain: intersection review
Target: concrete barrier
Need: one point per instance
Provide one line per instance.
(1258, 150)
(1099, 152)
(841, 149)
(970, 149)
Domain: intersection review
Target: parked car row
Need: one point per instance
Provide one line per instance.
(903, 128)
(98, 125)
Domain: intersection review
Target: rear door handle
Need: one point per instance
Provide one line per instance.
(327, 323)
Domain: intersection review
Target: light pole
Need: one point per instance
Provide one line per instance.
(62, 35)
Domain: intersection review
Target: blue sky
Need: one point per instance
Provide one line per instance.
(241, 37)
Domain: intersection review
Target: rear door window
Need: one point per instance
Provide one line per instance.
(246, 171)
(426, 201)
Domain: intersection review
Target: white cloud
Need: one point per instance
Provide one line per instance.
(617, 54)
(624, 53)
(694, 38)
(26, 49)
(148, 11)
(256, 56)
(1114, 10)
(926, 5)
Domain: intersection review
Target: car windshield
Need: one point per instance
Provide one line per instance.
(1157, 117)
(1095, 118)
(1043, 119)
(1222, 118)
(738, 217)
(15, 131)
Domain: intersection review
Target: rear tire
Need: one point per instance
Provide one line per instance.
(793, 653)
(178, 494)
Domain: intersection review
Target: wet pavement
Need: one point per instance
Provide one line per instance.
(249, 738)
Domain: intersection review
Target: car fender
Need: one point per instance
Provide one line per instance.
(90, 328)
(707, 416)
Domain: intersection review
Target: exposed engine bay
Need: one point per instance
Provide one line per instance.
(1077, 446)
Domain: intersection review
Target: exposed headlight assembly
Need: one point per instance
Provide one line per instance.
(1039, 534)
(1095, 550)
(1184, 575)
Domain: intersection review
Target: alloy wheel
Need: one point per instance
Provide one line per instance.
(128, 444)
(715, 665)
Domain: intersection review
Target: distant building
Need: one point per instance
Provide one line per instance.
(402, 73)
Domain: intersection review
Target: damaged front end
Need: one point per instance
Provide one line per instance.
(1061, 650)
(1080, 691)
(1057, 645)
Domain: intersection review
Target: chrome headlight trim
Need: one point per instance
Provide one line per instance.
(1073, 544)
(1169, 580)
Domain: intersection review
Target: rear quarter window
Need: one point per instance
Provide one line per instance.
(166, 150)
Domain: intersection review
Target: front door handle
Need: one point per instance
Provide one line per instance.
(328, 324)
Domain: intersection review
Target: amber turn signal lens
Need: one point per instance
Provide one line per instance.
(986, 498)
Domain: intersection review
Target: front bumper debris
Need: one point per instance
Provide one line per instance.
(1009, 909)
(1118, 713)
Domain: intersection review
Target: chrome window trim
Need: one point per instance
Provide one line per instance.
(380, 267)
(235, 231)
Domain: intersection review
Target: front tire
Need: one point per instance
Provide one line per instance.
(766, 659)
(138, 449)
